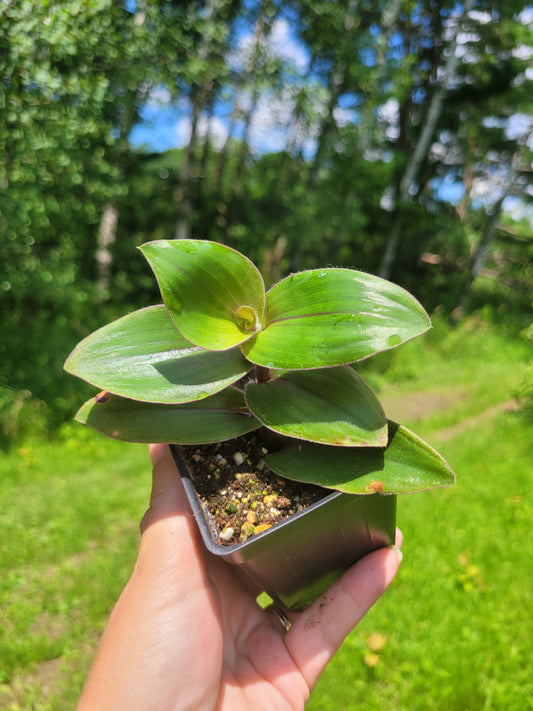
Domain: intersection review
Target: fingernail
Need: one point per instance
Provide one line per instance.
(398, 552)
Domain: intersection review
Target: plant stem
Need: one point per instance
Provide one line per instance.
(262, 375)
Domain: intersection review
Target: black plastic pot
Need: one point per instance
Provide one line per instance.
(297, 559)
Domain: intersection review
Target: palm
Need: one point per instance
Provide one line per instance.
(257, 669)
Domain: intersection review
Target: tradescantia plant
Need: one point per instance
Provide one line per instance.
(222, 357)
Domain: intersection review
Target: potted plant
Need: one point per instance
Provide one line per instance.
(229, 373)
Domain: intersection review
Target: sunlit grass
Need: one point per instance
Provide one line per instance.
(69, 517)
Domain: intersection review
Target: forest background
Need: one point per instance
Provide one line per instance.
(393, 137)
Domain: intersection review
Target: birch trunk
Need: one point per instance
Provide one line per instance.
(107, 230)
(481, 252)
(479, 258)
(389, 20)
(261, 33)
(199, 92)
(107, 233)
(421, 148)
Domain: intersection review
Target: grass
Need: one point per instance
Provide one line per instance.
(451, 634)
(69, 519)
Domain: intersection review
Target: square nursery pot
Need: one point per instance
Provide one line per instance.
(297, 559)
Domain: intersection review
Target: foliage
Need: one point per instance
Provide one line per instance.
(20, 415)
(171, 373)
(55, 131)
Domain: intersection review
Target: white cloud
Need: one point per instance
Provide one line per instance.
(217, 129)
(467, 37)
(183, 131)
(284, 46)
(523, 51)
(268, 127)
(390, 110)
(280, 44)
(273, 116)
(159, 96)
(517, 208)
(519, 125)
(483, 18)
(343, 117)
(389, 113)
(526, 16)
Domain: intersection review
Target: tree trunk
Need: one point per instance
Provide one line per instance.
(199, 92)
(244, 147)
(248, 78)
(481, 252)
(479, 258)
(183, 193)
(296, 133)
(207, 140)
(336, 84)
(389, 19)
(271, 270)
(468, 181)
(107, 230)
(421, 148)
(104, 242)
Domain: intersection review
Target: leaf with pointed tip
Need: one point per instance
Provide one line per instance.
(214, 294)
(407, 464)
(326, 317)
(330, 406)
(217, 418)
(143, 356)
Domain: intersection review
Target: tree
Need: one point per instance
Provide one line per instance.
(420, 149)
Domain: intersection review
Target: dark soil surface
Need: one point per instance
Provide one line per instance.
(243, 495)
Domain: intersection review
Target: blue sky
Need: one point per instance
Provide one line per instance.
(166, 124)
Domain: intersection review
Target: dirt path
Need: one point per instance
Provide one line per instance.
(419, 405)
(474, 421)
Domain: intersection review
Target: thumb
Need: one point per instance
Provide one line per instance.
(170, 541)
(168, 497)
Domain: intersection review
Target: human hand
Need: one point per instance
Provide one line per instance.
(187, 634)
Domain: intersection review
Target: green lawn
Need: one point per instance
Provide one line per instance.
(69, 522)
(454, 631)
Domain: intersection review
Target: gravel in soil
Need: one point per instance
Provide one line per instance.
(241, 493)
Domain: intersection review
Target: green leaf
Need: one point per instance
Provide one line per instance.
(215, 295)
(406, 464)
(217, 418)
(330, 406)
(326, 317)
(143, 356)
